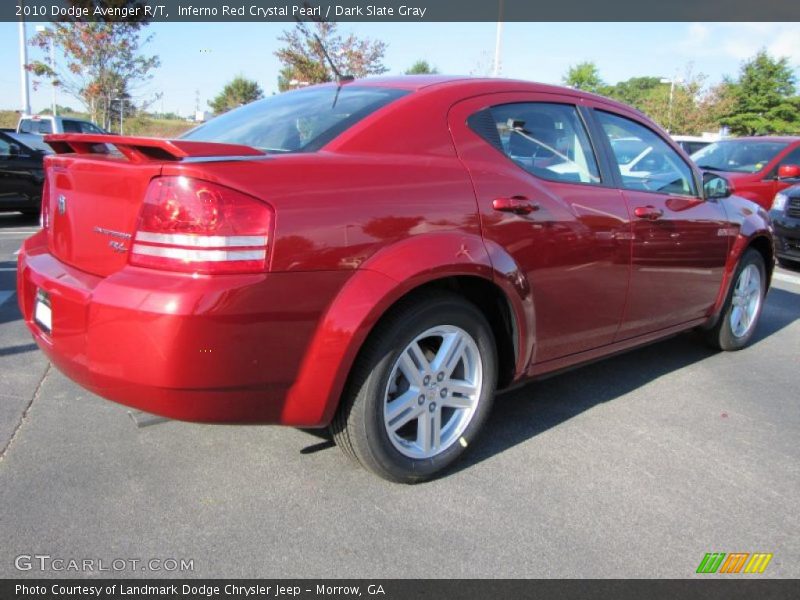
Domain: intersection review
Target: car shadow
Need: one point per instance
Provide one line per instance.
(523, 413)
(15, 219)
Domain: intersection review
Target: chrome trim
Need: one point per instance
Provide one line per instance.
(188, 255)
(201, 241)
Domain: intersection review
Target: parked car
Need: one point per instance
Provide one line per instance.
(785, 216)
(754, 166)
(45, 124)
(692, 143)
(21, 174)
(379, 257)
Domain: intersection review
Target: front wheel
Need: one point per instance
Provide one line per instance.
(742, 308)
(420, 390)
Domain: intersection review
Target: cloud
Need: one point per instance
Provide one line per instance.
(741, 40)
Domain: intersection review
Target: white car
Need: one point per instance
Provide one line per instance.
(44, 124)
(693, 143)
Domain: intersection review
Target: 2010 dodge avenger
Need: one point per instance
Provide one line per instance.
(380, 257)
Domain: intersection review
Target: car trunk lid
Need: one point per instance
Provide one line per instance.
(95, 188)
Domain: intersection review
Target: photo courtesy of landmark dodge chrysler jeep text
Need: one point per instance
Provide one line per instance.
(379, 257)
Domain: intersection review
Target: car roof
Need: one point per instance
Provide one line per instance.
(764, 138)
(477, 85)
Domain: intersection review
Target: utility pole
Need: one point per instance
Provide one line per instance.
(121, 110)
(42, 29)
(23, 72)
(498, 43)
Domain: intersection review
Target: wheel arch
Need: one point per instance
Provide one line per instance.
(761, 241)
(456, 262)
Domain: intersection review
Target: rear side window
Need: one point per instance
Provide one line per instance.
(547, 140)
(299, 121)
(71, 126)
(646, 162)
(87, 127)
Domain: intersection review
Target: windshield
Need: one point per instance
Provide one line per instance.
(739, 156)
(298, 121)
(35, 142)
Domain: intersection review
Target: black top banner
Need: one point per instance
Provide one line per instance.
(417, 11)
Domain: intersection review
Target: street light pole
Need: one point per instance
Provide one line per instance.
(121, 101)
(671, 95)
(23, 71)
(42, 29)
(671, 81)
(498, 43)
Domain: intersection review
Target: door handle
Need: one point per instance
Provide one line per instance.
(651, 213)
(519, 205)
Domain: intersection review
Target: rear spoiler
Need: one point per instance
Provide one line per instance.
(142, 149)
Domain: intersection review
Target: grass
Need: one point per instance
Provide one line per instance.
(139, 125)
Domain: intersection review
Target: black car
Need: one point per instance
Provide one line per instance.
(21, 173)
(785, 216)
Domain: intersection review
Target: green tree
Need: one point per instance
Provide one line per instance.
(304, 61)
(764, 97)
(237, 92)
(634, 90)
(102, 60)
(421, 67)
(584, 76)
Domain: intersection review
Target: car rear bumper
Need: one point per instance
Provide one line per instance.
(223, 349)
(787, 235)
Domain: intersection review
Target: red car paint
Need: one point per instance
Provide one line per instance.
(761, 186)
(403, 198)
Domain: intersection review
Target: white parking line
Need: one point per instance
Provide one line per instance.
(787, 278)
(19, 232)
(5, 295)
(7, 269)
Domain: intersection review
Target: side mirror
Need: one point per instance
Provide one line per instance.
(715, 186)
(789, 172)
(14, 150)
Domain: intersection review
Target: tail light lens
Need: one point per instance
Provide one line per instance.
(196, 226)
(44, 212)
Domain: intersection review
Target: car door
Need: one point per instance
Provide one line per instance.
(680, 240)
(21, 173)
(548, 200)
(13, 180)
(792, 157)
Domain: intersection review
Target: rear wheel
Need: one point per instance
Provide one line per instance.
(742, 308)
(420, 390)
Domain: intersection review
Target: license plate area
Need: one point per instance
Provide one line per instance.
(43, 312)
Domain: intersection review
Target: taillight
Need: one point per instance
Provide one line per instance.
(44, 211)
(200, 227)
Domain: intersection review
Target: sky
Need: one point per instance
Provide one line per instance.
(205, 56)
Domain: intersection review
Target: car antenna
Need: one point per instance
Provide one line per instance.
(340, 79)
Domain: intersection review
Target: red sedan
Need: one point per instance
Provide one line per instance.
(380, 257)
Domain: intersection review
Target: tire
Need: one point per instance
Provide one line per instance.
(743, 305)
(399, 442)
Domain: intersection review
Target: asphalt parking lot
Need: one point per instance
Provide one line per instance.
(632, 467)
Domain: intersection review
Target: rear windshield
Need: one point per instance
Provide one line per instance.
(35, 126)
(299, 121)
